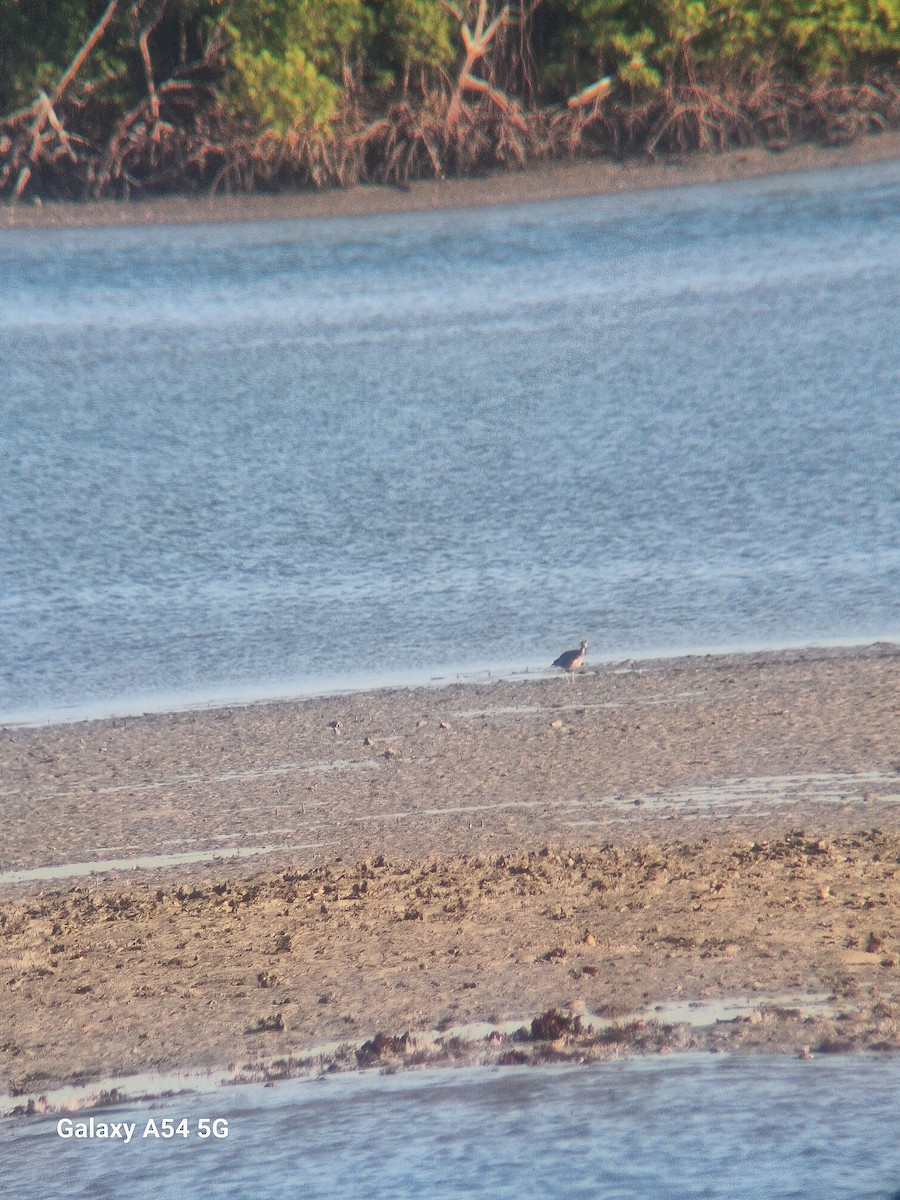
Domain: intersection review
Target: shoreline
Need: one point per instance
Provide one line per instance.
(426, 680)
(685, 830)
(474, 732)
(748, 1026)
(554, 180)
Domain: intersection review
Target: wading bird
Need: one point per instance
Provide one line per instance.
(570, 660)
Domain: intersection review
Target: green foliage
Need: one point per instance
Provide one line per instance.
(38, 39)
(288, 64)
(411, 35)
(646, 41)
(288, 59)
(323, 29)
(283, 92)
(824, 36)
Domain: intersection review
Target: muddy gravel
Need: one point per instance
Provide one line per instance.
(419, 860)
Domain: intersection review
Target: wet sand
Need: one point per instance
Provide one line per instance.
(674, 830)
(544, 181)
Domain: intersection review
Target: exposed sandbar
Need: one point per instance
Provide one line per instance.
(673, 830)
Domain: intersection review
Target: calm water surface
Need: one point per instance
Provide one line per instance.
(245, 459)
(685, 1129)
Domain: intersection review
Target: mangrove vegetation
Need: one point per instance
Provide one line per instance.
(119, 97)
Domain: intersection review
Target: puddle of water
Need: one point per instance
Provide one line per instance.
(410, 814)
(509, 710)
(759, 794)
(707, 1012)
(146, 862)
(698, 1013)
(550, 709)
(773, 789)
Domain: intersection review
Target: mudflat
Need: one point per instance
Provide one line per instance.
(400, 861)
(552, 180)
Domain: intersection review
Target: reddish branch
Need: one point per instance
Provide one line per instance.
(44, 108)
(94, 37)
(475, 45)
(144, 46)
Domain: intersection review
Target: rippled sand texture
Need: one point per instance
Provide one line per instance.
(683, 829)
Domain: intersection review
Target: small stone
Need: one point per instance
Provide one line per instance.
(589, 940)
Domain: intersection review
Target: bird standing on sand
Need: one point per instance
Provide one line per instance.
(570, 660)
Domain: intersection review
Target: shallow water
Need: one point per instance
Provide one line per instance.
(693, 1128)
(273, 458)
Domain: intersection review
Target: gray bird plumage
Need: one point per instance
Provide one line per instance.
(570, 660)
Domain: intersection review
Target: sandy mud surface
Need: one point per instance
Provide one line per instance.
(421, 860)
(549, 181)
